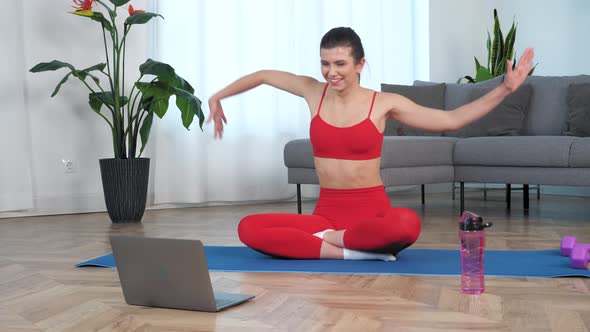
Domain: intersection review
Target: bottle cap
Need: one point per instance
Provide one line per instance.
(472, 222)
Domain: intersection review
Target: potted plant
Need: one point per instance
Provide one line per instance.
(128, 111)
(500, 51)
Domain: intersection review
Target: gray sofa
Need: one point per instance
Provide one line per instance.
(537, 136)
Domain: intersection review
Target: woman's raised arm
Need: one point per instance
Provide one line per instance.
(298, 85)
(406, 111)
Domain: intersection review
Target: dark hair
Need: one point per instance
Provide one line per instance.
(342, 36)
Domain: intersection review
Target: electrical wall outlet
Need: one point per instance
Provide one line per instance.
(69, 166)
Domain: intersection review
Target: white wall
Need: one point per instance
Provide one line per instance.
(44, 130)
(558, 30)
(15, 162)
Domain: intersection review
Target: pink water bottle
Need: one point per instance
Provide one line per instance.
(472, 240)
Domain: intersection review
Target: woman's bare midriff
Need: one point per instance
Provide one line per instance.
(348, 174)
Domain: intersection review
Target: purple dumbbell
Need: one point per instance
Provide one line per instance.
(568, 243)
(578, 252)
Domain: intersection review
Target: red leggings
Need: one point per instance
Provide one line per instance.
(370, 222)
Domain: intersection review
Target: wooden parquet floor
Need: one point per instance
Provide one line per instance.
(40, 290)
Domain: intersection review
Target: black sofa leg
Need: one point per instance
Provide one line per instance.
(508, 192)
(525, 198)
(538, 192)
(423, 198)
(298, 198)
(462, 196)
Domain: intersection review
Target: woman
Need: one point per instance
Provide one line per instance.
(353, 218)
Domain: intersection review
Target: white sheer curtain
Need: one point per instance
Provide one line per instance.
(15, 146)
(213, 42)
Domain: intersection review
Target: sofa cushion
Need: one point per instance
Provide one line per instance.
(578, 116)
(507, 119)
(429, 96)
(458, 94)
(517, 151)
(298, 153)
(400, 151)
(580, 152)
(548, 109)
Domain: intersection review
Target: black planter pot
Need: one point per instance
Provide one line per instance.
(125, 184)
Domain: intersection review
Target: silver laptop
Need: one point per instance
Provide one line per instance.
(168, 273)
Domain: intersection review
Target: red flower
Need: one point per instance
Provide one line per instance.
(83, 4)
(132, 10)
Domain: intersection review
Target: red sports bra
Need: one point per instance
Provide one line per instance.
(361, 141)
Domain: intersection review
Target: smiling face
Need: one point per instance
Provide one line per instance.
(339, 68)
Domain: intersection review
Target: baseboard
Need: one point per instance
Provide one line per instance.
(55, 205)
(13, 201)
(94, 203)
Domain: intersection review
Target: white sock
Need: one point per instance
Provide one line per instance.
(321, 234)
(356, 255)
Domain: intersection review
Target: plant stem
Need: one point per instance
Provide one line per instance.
(120, 151)
(133, 120)
(130, 140)
(131, 93)
(113, 80)
(104, 38)
(136, 130)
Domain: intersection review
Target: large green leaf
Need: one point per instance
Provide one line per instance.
(63, 80)
(489, 48)
(98, 17)
(99, 67)
(165, 73)
(158, 93)
(477, 64)
(141, 18)
(144, 131)
(119, 3)
(159, 106)
(181, 83)
(97, 99)
(468, 78)
(95, 102)
(499, 50)
(53, 65)
(86, 72)
(189, 106)
(532, 70)
(496, 44)
(483, 74)
(510, 39)
(501, 68)
(94, 78)
(497, 69)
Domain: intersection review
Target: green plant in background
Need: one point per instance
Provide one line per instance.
(500, 51)
(128, 113)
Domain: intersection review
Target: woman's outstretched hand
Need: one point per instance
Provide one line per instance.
(216, 114)
(515, 77)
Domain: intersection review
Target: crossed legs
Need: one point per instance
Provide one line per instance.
(286, 235)
(292, 235)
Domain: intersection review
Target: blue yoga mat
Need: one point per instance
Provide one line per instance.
(500, 263)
